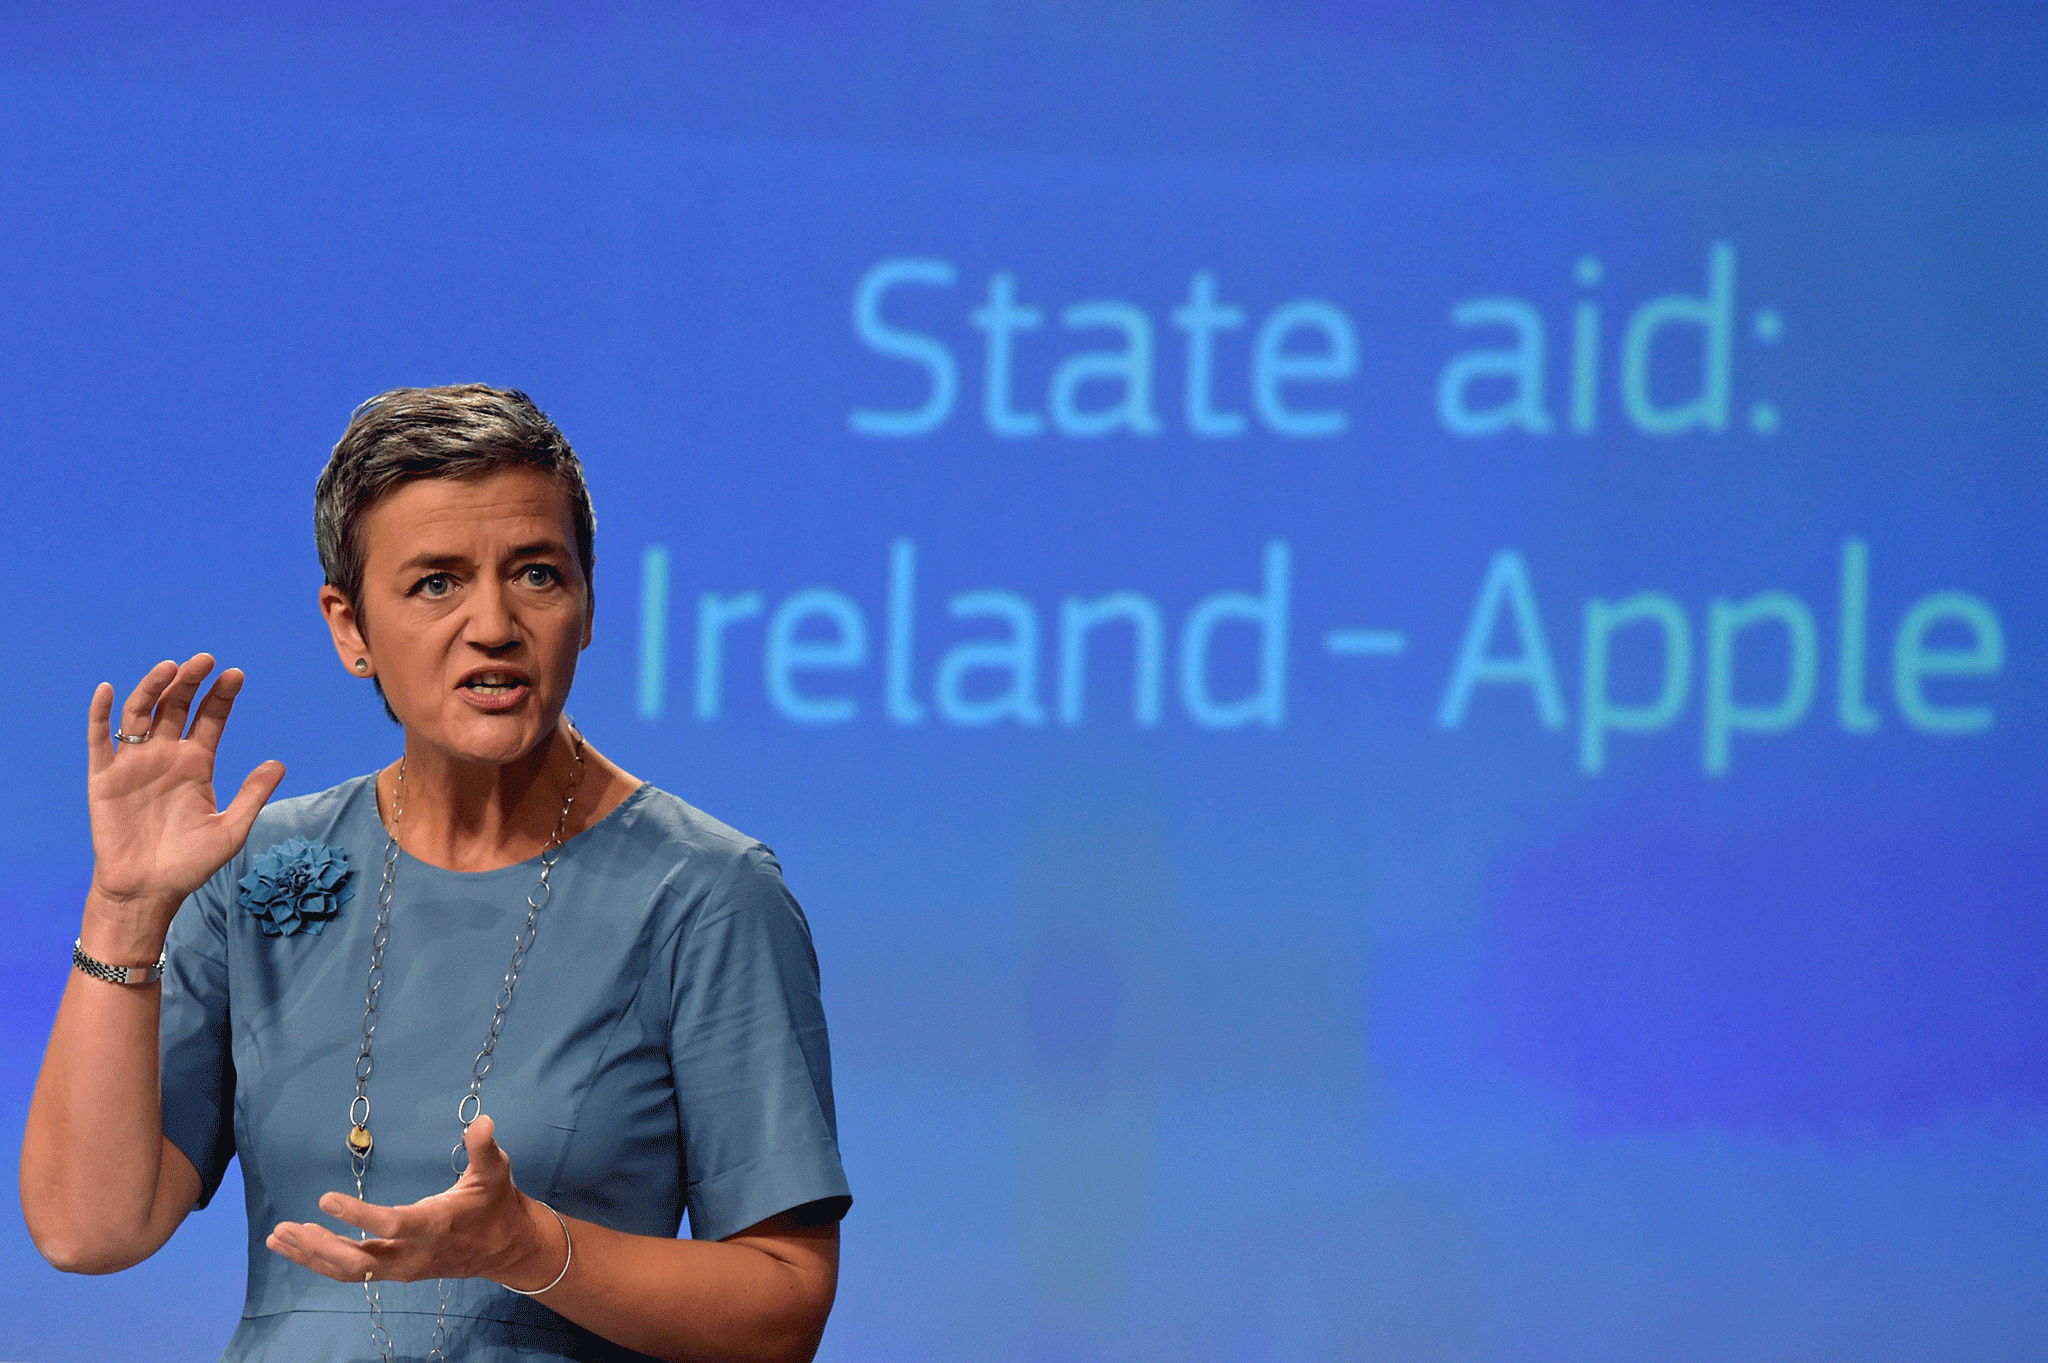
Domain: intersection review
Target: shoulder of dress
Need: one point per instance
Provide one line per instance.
(651, 814)
(699, 847)
(324, 817)
(317, 816)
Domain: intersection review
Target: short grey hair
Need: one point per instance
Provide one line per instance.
(462, 431)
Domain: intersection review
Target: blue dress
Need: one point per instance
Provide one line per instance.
(664, 1053)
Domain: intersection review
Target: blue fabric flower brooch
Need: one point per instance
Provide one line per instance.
(297, 886)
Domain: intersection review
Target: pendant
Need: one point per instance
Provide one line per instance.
(359, 1141)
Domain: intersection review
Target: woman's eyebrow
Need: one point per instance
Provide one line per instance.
(419, 561)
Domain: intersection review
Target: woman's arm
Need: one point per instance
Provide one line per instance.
(759, 1297)
(101, 1187)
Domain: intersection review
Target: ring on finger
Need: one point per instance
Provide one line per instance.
(143, 737)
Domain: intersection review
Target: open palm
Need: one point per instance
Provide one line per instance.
(482, 1227)
(157, 833)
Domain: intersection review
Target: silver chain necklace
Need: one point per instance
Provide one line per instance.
(472, 1104)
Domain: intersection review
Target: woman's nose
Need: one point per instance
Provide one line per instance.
(491, 624)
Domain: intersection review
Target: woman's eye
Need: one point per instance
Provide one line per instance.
(435, 584)
(540, 575)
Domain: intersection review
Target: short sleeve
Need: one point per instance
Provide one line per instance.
(196, 1064)
(752, 1067)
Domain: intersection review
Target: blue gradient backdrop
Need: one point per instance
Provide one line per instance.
(1546, 864)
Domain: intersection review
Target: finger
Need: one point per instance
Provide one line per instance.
(386, 1223)
(324, 1252)
(176, 701)
(213, 711)
(99, 743)
(257, 788)
(141, 703)
(487, 1159)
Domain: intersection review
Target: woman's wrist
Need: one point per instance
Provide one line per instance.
(124, 931)
(540, 1265)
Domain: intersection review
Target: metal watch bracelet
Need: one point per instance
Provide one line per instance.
(117, 974)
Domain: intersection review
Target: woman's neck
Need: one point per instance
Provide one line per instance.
(479, 816)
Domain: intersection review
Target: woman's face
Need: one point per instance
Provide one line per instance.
(474, 608)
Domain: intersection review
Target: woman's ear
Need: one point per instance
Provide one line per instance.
(349, 644)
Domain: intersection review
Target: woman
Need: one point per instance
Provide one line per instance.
(500, 955)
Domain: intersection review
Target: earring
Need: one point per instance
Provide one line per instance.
(362, 664)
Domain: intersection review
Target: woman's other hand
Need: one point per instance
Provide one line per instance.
(760, 1296)
(483, 1227)
(156, 832)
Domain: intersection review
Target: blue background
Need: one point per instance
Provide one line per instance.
(1354, 1035)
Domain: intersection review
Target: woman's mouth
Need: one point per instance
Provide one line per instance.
(493, 690)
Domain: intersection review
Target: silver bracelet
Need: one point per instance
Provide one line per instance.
(118, 974)
(566, 1240)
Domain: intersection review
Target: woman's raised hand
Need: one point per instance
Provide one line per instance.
(156, 832)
